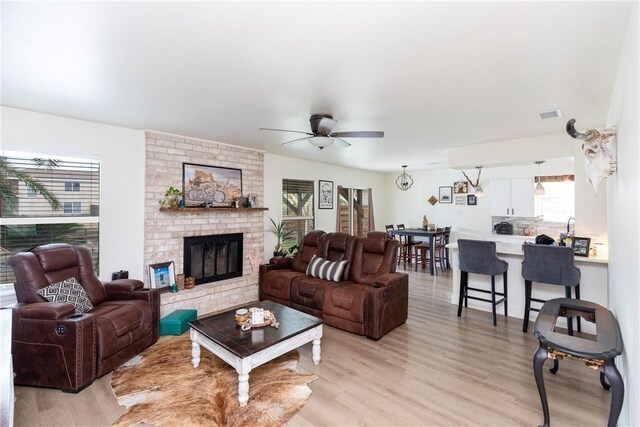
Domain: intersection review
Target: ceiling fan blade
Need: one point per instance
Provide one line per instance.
(359, 134)
(342, 141)
(294, 140)
(286, 130)
(326, 125)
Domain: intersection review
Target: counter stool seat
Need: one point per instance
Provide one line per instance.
(479, 257)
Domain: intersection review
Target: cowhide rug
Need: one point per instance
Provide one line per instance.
(160, 387)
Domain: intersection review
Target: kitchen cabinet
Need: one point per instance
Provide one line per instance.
(511, 197)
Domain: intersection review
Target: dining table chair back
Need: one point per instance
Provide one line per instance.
(421, 250)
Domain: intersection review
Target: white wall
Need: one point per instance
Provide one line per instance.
(278, 167)
(623, 213)
(409, 206)
(121, 153)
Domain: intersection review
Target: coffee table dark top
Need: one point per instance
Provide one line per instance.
(224, 331)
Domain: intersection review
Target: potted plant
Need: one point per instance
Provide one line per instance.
(278, 230)
(172, 198)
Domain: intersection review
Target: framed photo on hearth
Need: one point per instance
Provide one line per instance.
(325, 194)
(211, 186)
(162, 275)
(581, 246)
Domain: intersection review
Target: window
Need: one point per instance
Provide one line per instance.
(31, 191)
(297, 209)
(71, 186)
(558, 202)
(27, 217)
(73, 208)
(354, 211)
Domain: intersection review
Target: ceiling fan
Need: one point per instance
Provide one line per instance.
(322, 134)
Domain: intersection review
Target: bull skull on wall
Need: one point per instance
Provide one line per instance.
(599, 160)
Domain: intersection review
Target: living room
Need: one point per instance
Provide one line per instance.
(52, 111)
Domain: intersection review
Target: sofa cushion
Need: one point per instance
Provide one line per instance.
(277, 283)
(344, 306)
(309, 291)
(69, 291)
(324, 269)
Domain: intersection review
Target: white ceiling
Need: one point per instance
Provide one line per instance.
(431, 75)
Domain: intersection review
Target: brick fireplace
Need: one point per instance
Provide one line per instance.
(165, 231)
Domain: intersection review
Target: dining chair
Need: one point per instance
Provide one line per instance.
(406, 245)
(447, 236)
(421, 252)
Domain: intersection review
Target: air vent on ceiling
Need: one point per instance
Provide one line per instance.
(550, 114)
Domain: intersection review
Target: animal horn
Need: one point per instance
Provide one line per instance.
(571, 130)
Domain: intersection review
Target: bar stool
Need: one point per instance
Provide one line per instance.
(553, 265)
(479, 257)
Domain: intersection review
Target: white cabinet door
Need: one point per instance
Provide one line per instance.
(522, 197)
(500, 197)
(511, 197)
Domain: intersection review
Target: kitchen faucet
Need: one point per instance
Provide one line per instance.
(568, 222)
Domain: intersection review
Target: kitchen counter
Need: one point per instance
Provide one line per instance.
(593, 283)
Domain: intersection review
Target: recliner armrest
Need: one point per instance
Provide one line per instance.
(123, 285)
(281, 262)
(46, 310)
(152, 296)
(61, 352)
(388, 279)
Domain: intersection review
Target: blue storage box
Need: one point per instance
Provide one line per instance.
(176, 322)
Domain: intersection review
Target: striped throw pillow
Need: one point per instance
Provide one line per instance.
(325, 269)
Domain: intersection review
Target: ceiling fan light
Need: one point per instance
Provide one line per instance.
(321, 141)
(539, 191)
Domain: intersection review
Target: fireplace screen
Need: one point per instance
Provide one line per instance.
(211, 258)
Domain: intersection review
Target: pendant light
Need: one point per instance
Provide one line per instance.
(539, 190)
(404, 181)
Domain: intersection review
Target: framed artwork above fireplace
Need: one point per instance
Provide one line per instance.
(210, 186)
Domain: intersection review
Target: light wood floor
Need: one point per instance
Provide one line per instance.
(437, 369)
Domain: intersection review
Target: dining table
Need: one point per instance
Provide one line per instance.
(420, 232)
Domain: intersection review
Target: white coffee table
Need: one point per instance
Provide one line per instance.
(244, 350)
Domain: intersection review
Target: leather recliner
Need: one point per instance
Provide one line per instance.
(52, 346)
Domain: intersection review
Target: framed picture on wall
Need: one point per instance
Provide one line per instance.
(212, 186)
(472, 200)
(325, 194)
(460, 187)
(446, 195)
(460, 200)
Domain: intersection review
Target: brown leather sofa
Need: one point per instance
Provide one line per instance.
(371, 299)
(52, 345)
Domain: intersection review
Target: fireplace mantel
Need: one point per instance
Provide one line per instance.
(212, 210)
